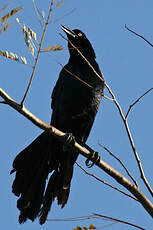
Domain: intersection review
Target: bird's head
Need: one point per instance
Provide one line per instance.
(76, 38)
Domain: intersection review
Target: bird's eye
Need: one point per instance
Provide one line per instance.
(80, 34)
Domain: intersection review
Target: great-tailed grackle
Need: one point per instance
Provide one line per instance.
(75, 102)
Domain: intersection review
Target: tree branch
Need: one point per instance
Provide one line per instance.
(145, 202)
(38, 14)
(104, 182)
(131, 141)
(118, 221)
(135, 102)
(139, 35)
(98, 75)
(127, 171)
(95, 216)
(74, 75)
(34, 68)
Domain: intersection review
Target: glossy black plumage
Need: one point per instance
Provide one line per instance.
(74, 105)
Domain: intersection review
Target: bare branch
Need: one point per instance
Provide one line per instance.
(108, 98)
(118, 221)
(34, 68)
(95, 216)
(98, 75)
(131, 141)
(72, 218)
(104, 182)
(38, 13)
(135, 102)
(3, 102)
(139, 35)
(145, 202)
(128, 173)
(74, 75)
(67, 14)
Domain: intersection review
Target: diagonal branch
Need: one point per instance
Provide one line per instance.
(131, 141)
(104, 182)
(34, 68)
(74, 75)
(98, 75)
(38, 14)
(135, 102)
(95, 216)
(118, 220)
(145, 202)
(139, 35)
(127, 171)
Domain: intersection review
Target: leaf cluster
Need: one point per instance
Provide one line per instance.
(4, 19)
(91, 226)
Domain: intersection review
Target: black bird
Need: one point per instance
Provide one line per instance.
(75, 101)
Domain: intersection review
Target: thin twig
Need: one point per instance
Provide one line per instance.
(34, 68)
(135, 102)
(127, 128)
(128, 173)
(108, 98)
(38, 13)
(104, 182)
(95, 216)
(118, 221)
(145, 202)
(131, 141)
(3, 102)
(74, 75)
(98, 75)
(67, 14)
(139, 35)
(79, 218)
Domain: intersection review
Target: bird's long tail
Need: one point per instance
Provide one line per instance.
(32, 167)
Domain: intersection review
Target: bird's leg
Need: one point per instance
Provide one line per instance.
(94, 157)
(70, 140)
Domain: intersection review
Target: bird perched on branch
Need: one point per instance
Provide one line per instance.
(75, 101)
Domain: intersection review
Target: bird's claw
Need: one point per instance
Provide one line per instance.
(94, 157)
(70, 140)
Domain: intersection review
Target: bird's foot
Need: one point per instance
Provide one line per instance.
(94, 157)
(70, 140)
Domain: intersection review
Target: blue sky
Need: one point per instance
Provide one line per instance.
(126, 62)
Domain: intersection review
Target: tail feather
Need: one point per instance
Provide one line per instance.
(30, 180)
(65, 177)
(30, 201)
(32, 154)
(27, 162)
(55, 189)
(48, 197)
(32, 167)
(58, 186)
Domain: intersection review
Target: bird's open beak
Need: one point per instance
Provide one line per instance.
(68, 31)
